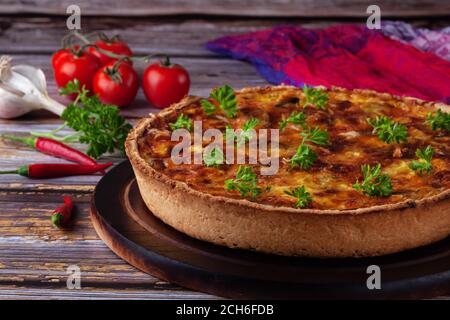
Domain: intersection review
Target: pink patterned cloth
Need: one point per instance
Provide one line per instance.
(349, 56)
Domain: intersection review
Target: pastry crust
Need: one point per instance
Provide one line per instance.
(240, 223)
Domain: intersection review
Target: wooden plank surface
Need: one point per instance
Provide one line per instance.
(177, 37)
(35, 255)
(183, 37)
(258, 8)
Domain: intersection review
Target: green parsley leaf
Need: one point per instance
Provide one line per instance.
(423, 165)
(283, 123)
(316, 136)
(315, 97)
(214, 158)
(440, 120)
(388, 130)
(208, 107)
(247, 131)
(225, 97)
(375, 183)
(183, 122)
(250, 124)
(304, 157)
(303, 196)
(245, 182)
(99, 125)
(72, 87)
(295, 118)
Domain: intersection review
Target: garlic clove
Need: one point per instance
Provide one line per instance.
(12, 90)
(12, 104)
(24, 88)
(35, 75)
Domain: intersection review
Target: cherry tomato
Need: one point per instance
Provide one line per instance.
(165, 83)
(81, 66)
(114, 45)
(116, 83)
(61, 53)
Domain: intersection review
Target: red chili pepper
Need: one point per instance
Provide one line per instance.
(62, 214)
(55, 170)
(54, 148)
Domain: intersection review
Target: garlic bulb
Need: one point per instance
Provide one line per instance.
(23, 88)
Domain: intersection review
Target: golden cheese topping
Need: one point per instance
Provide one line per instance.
(331, 178)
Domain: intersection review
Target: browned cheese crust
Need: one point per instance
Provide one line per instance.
(340, 221)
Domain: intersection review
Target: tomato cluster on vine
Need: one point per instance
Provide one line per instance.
(105, 68)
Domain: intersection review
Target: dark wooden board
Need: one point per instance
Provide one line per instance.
(160, 250)
(255, 8)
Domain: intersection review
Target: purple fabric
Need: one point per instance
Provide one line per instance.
(349, 56)
(434, 41)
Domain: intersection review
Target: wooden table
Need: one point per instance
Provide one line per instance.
(34, 255)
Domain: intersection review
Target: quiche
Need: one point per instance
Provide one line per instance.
(359, 173)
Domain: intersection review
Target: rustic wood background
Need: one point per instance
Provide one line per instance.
(34, 255)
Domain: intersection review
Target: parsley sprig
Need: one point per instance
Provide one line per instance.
(424, 164)
(208, 106)
(315, 97)
(388, 130)
(439, 120)
(316, 136)
(213, 158)
(246, 182)
(374, 183)
(303, 196)
(98, 125)
(182, 122)
(247, 131)
(295, 118)
(304, 157)
(226, 98)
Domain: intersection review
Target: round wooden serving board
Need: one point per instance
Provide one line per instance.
(124, 223)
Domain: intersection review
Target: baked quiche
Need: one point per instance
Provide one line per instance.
(357, 173)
